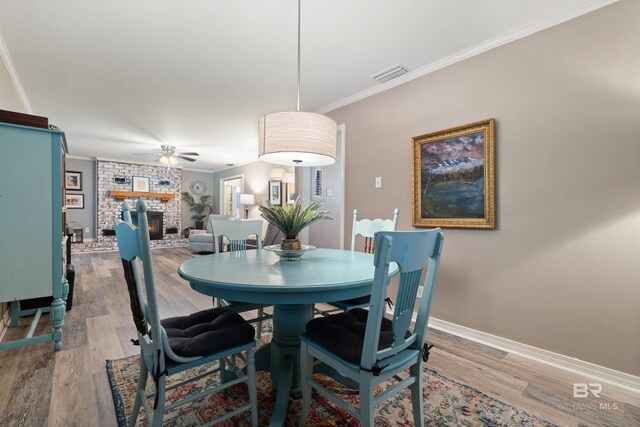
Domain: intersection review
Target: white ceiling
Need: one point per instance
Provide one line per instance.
(124, 77)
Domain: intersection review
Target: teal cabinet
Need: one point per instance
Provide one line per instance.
(32, 225)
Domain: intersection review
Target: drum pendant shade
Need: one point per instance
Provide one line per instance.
(297, 138)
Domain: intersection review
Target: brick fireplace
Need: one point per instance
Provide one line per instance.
(163, 217)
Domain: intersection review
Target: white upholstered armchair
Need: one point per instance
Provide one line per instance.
(202, 240)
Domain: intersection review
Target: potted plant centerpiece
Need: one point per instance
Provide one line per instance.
(198, 208)
(292, 219)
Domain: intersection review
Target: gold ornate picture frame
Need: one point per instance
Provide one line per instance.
(454, 177)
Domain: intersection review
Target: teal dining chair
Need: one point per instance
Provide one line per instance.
(365, 228)
(173, 345)
(236, 233)
(368, 348)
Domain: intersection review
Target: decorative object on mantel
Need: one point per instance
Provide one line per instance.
(164, 182)
(297, 138)
(121, 195)
(73, 180)
(454, 177)
(292, 219)
(198, 208)
(141, 184)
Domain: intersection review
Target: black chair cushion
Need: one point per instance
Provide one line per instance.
(207, 331)
(343, 333)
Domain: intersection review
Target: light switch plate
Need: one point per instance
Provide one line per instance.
(378, 182)
(329, 192)
(86, 230)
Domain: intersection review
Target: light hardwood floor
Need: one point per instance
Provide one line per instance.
(41, 387)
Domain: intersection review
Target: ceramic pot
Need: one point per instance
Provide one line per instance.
(291, 245)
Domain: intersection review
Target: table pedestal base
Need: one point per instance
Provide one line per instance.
(289, 323)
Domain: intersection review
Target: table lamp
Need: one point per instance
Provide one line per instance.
(246, 200)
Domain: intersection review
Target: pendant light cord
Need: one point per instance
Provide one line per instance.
(298, 104)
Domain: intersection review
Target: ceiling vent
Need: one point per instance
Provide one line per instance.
(390, 73)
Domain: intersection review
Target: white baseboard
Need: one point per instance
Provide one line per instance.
(566, 363)
(560, 361)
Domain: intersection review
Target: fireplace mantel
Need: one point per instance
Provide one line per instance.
(121, 195)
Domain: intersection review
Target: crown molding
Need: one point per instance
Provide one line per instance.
(13, 75)
(80, 157)
(558, 18)
(106, 159)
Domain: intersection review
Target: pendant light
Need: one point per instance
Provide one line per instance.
(297, 138)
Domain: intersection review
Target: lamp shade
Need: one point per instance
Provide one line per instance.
(289, 177)
(247, 199)
(297, 138)
(276, 173)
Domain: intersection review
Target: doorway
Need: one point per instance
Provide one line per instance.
(230, 189)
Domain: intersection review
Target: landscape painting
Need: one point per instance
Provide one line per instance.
(453, 181)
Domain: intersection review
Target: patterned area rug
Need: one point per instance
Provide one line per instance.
(446, 402)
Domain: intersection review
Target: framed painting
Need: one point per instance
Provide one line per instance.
(454, 177)
(141, 184)
(73, 180)
(275, 192)
(74, 201)
(291, 193)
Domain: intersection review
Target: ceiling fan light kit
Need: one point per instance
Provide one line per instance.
(169, 156)
(297, 138)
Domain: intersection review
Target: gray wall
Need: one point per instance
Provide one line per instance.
(326, 234)
(561, 270)
(256, 181)
(84, 218)
(187, 178)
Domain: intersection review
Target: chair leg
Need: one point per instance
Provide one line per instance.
(223, 367)
(366, 404)
(306, 370)
(158, 413)
(260, 314)
(142, 383)
(416, 395)
(253, 387)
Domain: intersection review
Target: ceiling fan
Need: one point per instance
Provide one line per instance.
(169, 156)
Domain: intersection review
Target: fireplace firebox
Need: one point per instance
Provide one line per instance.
(156, 224)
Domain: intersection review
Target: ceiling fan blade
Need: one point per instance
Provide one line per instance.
(189, 154)
(186, 158)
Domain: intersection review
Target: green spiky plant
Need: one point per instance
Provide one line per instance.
(292, 219)
(198, 208)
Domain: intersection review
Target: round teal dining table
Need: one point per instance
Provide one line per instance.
(258, 276)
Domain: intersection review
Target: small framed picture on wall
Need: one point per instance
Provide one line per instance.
(73, 180)
(74, 201)
(141, 184)
(291, 193)
(275, 192)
